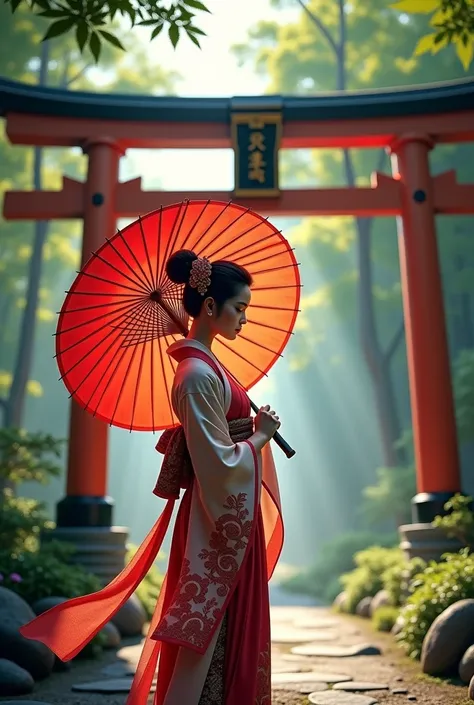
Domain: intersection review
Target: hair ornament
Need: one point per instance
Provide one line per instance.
(200, 276)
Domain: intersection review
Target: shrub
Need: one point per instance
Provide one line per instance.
(398, 578)
(26, 456)
(367, 578)
(21, 522)
(322, 579)
(384, 618)
(149, 589)
(435, 589)
(45, 573)
(459, 520)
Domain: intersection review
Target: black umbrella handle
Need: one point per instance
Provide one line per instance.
(279, 440)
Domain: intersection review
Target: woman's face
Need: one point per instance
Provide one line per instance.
(232, 316)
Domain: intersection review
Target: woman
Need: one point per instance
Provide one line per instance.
(210, 635)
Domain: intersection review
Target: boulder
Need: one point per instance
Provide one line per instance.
(33, 656)
(448, 638)
(131, 618)
(363, 608)
(112, 635)
(47, 603)
(14, 680)
(340, 601)
(381, 599)
(398, 626)
(471, 689)
(466, 667)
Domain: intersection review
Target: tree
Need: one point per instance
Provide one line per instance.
(452, 22)
(356, 46)
(89, 21)
(26, 293)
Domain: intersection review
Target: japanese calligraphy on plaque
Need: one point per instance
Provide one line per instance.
(256, 141)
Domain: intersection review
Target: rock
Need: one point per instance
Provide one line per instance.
(332, 697)
(448, 638)
(303, 688)
(312, 677)
(47, 603)
(471, 689)
(397, 627)
(131, 618)
(399, 691)
(363, 608)
(360, 686)
(33, 656)
(381, 599)
(112, 635)
(466, 667)
(14, 680)
(340, 602)
(111, 685)
(320, 651)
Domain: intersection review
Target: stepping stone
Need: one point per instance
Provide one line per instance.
(311, 677)
(300, 636)
(394, 691)
(303, 661)
(303, 688)
(112, 685)
(119, 669)
(335, 651)
(131, 653)
(316, 623)
(332, 697)
(360, 686)
(284, 668)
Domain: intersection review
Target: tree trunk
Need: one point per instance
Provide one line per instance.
(14, 405)
(378, 361)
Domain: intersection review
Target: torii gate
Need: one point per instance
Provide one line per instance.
(408, 123)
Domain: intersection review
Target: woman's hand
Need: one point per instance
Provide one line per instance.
(267, 422)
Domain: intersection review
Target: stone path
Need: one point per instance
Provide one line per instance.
(317, 657)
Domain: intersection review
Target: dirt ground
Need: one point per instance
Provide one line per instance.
(391, 668)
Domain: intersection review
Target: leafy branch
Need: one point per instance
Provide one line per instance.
(452, 22)
(90, 20)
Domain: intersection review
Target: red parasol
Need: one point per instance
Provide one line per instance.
(122, 312)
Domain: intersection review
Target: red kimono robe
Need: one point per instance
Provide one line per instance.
(226, 542)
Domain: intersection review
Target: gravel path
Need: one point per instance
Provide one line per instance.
(291, 626)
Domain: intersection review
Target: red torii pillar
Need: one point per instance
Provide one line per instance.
(433, 414)
(86, 503)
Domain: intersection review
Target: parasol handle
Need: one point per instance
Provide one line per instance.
(279, 440)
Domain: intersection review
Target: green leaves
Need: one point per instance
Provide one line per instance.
(196, 5)
(87, 19)
(173, 33)
(112, 39)
(453, 21)
(59, 27)
(94, 46)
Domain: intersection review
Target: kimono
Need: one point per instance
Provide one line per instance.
(208, 642)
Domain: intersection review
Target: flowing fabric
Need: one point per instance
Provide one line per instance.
(226, 542)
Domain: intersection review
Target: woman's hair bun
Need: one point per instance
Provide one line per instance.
(178, 267)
